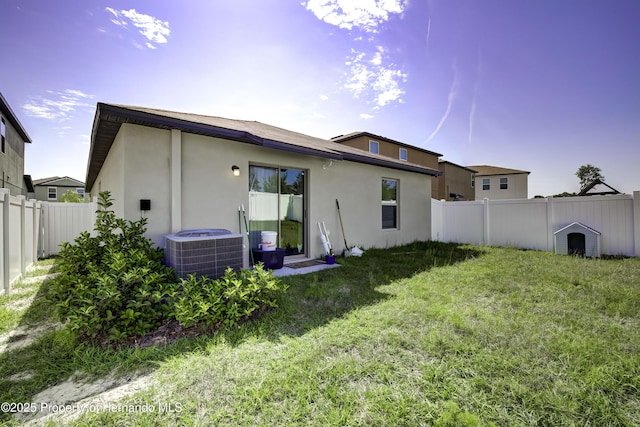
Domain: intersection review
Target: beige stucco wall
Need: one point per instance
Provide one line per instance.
(210, 194)
(112, 175)
(517, 187)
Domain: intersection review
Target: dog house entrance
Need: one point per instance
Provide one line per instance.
(576, 244)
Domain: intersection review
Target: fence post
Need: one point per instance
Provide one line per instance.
(34, 228)
(45, 229)
(23, 234)
(486, 233)
(550, 236)
(636, 222)
(6, 268)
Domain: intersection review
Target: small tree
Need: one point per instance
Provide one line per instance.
(587, 174)
(72, 197)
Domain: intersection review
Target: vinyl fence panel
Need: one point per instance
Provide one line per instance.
(530, 223)
(65, 221)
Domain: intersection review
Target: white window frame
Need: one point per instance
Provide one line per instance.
(504, 183)
(402, 151)
(392, 203)
(54, 192)
(373, 144)
(80, 191)
(486, 184)
(473, 181)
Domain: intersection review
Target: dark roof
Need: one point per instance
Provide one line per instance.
(354, 135)
(586, 191)
(52, 181)
(109, 118)
(13, 119)
(485, 170)
(459, 166)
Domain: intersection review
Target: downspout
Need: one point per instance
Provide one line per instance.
(176, 180)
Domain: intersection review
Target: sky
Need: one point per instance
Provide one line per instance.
(538, 85)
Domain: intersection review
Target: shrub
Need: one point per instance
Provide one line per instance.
(233, 297)
(71, 196)
(113, 284)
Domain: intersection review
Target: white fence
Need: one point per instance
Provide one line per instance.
(273, 206)
(531, 223)
(30, 230)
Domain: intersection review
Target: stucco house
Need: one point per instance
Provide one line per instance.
(52, 188)
(493, 182)
(457, 183)
(377, 144)
(13, 138)
(187, 171)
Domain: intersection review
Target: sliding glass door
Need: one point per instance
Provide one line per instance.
(277, 203)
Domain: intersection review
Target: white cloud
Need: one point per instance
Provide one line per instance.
(324, 98)
(373, 76)
(379, 81)
(366, 15)
(153, 29)
(366, 116)
(453, 94)
(57, 105)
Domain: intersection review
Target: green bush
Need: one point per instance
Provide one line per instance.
(233, 297)
(113, 284)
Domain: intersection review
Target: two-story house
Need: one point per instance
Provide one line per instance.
(51, 189)
(494, 182)
(389, 148)
(13, 138)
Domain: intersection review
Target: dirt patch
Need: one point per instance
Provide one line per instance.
(24, 335)
(71, 398)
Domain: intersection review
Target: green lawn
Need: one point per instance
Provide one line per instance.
(425, 334)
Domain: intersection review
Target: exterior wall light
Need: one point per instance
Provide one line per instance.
(236, 170)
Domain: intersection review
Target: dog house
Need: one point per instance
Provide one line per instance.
(577, 239)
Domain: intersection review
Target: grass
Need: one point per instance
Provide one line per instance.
(424, 334)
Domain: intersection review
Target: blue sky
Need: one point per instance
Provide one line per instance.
(543, 86)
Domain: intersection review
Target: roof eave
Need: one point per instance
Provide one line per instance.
(125, 115)
(13, 119)
(341, 138)
(393, 165)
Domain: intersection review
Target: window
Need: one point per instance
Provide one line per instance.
(486, 184)
(373, 147)
(80, 191)
(473, 181)
(3, 134)
(53, 193)
(403, 154)
(503, 183)
(389, 203)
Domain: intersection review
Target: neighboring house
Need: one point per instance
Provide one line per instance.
(390, 148)
(494, 182)
(51, 189)
(13, 137)
(186, 171)
(456, 182)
